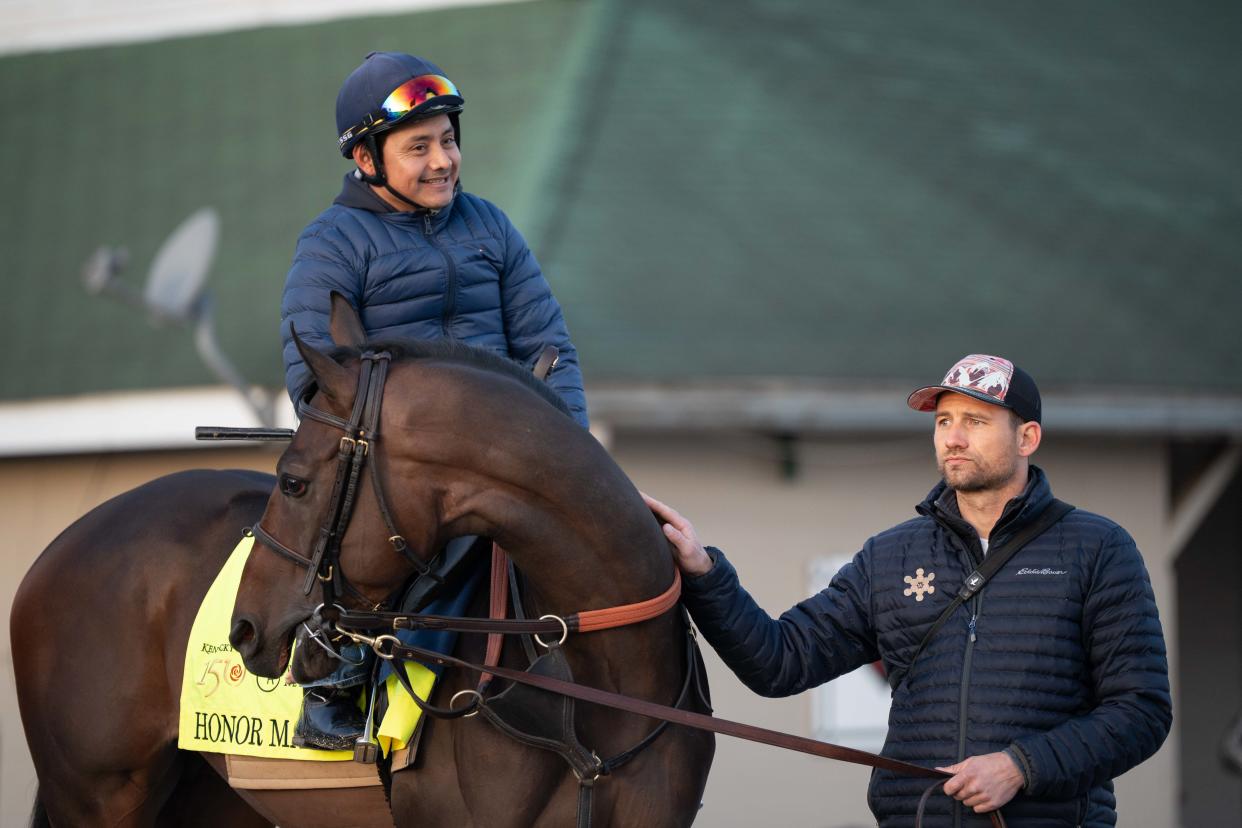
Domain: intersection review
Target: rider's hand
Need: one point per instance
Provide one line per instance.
(689, 554)
(985, 782)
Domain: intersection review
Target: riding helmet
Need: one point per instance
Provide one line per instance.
(390, 88)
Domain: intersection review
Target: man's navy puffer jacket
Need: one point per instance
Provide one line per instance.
(463, 273)
(1066, 667)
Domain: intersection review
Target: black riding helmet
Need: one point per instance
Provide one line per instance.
(387, 89)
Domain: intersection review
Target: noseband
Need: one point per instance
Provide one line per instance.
(361, 434)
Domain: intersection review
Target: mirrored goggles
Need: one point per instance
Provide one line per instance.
(414, 93)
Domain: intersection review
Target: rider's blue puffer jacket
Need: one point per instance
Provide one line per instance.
(1066, 667)
(463, 273)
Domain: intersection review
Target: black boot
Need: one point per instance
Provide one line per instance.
(330, 719)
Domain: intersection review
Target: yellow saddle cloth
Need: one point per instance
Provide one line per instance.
(227, 709)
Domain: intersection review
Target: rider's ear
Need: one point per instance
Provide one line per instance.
(333, 379)
(344, 324)
(362, 157)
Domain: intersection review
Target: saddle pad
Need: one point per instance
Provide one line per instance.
(226, 709)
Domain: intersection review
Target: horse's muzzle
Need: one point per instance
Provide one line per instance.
(244, 637)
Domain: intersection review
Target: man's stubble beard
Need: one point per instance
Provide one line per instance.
(978, 478)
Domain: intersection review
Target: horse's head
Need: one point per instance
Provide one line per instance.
(303, 555)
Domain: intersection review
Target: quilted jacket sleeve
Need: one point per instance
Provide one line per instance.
(823, 637)
(319, 267)
(533, 319)
(1130, 673)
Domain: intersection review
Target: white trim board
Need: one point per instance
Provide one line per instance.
(52, 25)
(165, 419)
(145, 420)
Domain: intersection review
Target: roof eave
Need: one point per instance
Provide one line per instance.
(165, 419)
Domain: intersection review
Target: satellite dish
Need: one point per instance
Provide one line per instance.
(179, 271)
(176, 292)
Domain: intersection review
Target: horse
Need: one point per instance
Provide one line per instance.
(99, 628)
(100, 622)
(467, 443)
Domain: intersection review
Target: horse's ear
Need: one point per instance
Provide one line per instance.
(344, 324)
(333, 379)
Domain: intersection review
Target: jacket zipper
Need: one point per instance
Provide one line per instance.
(976, 608)
(450, 288)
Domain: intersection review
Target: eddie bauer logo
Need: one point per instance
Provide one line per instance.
(1045, 571)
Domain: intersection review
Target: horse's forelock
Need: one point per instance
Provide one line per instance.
(412, 350)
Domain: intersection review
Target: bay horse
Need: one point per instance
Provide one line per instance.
(99, 625)
(467, 443)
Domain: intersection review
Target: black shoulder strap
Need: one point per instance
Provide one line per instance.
(992, 562)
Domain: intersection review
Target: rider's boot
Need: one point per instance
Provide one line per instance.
(330, 718)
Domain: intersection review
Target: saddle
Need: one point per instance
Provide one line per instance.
(455, 563)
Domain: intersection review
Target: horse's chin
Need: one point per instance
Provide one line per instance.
(310, 661)
(271, 660)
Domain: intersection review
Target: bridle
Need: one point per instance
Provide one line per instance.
(355, 448)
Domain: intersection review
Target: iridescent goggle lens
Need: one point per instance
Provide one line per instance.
(414, 93)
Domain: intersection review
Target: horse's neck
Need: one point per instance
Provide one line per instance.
(564, 511)
(576, 527)
(574, 545)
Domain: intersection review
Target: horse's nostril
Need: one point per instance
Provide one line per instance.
(242, 635)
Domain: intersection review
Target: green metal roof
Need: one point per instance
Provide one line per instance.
(820, 190)
(862, 190)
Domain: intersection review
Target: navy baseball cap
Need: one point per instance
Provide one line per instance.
(387, 89)
(991, 379)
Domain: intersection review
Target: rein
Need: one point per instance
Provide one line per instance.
(389, 648)
(579, 622)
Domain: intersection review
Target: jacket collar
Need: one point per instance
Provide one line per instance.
(358, 194)
(941, 505)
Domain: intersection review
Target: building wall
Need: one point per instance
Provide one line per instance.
(736, 490)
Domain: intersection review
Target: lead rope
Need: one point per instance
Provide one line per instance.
(998, 821)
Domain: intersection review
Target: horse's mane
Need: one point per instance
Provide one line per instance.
(453, 351)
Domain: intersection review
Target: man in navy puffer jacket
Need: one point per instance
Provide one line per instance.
(1034, 693)
(418, 258)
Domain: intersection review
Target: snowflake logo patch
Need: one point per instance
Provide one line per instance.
(920, 584)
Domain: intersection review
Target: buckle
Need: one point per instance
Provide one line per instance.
(350, 446)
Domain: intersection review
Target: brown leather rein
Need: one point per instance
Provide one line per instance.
(323, 564)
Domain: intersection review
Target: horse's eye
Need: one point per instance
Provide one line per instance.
(292, 486)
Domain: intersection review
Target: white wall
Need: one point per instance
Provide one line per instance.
(44, 25)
